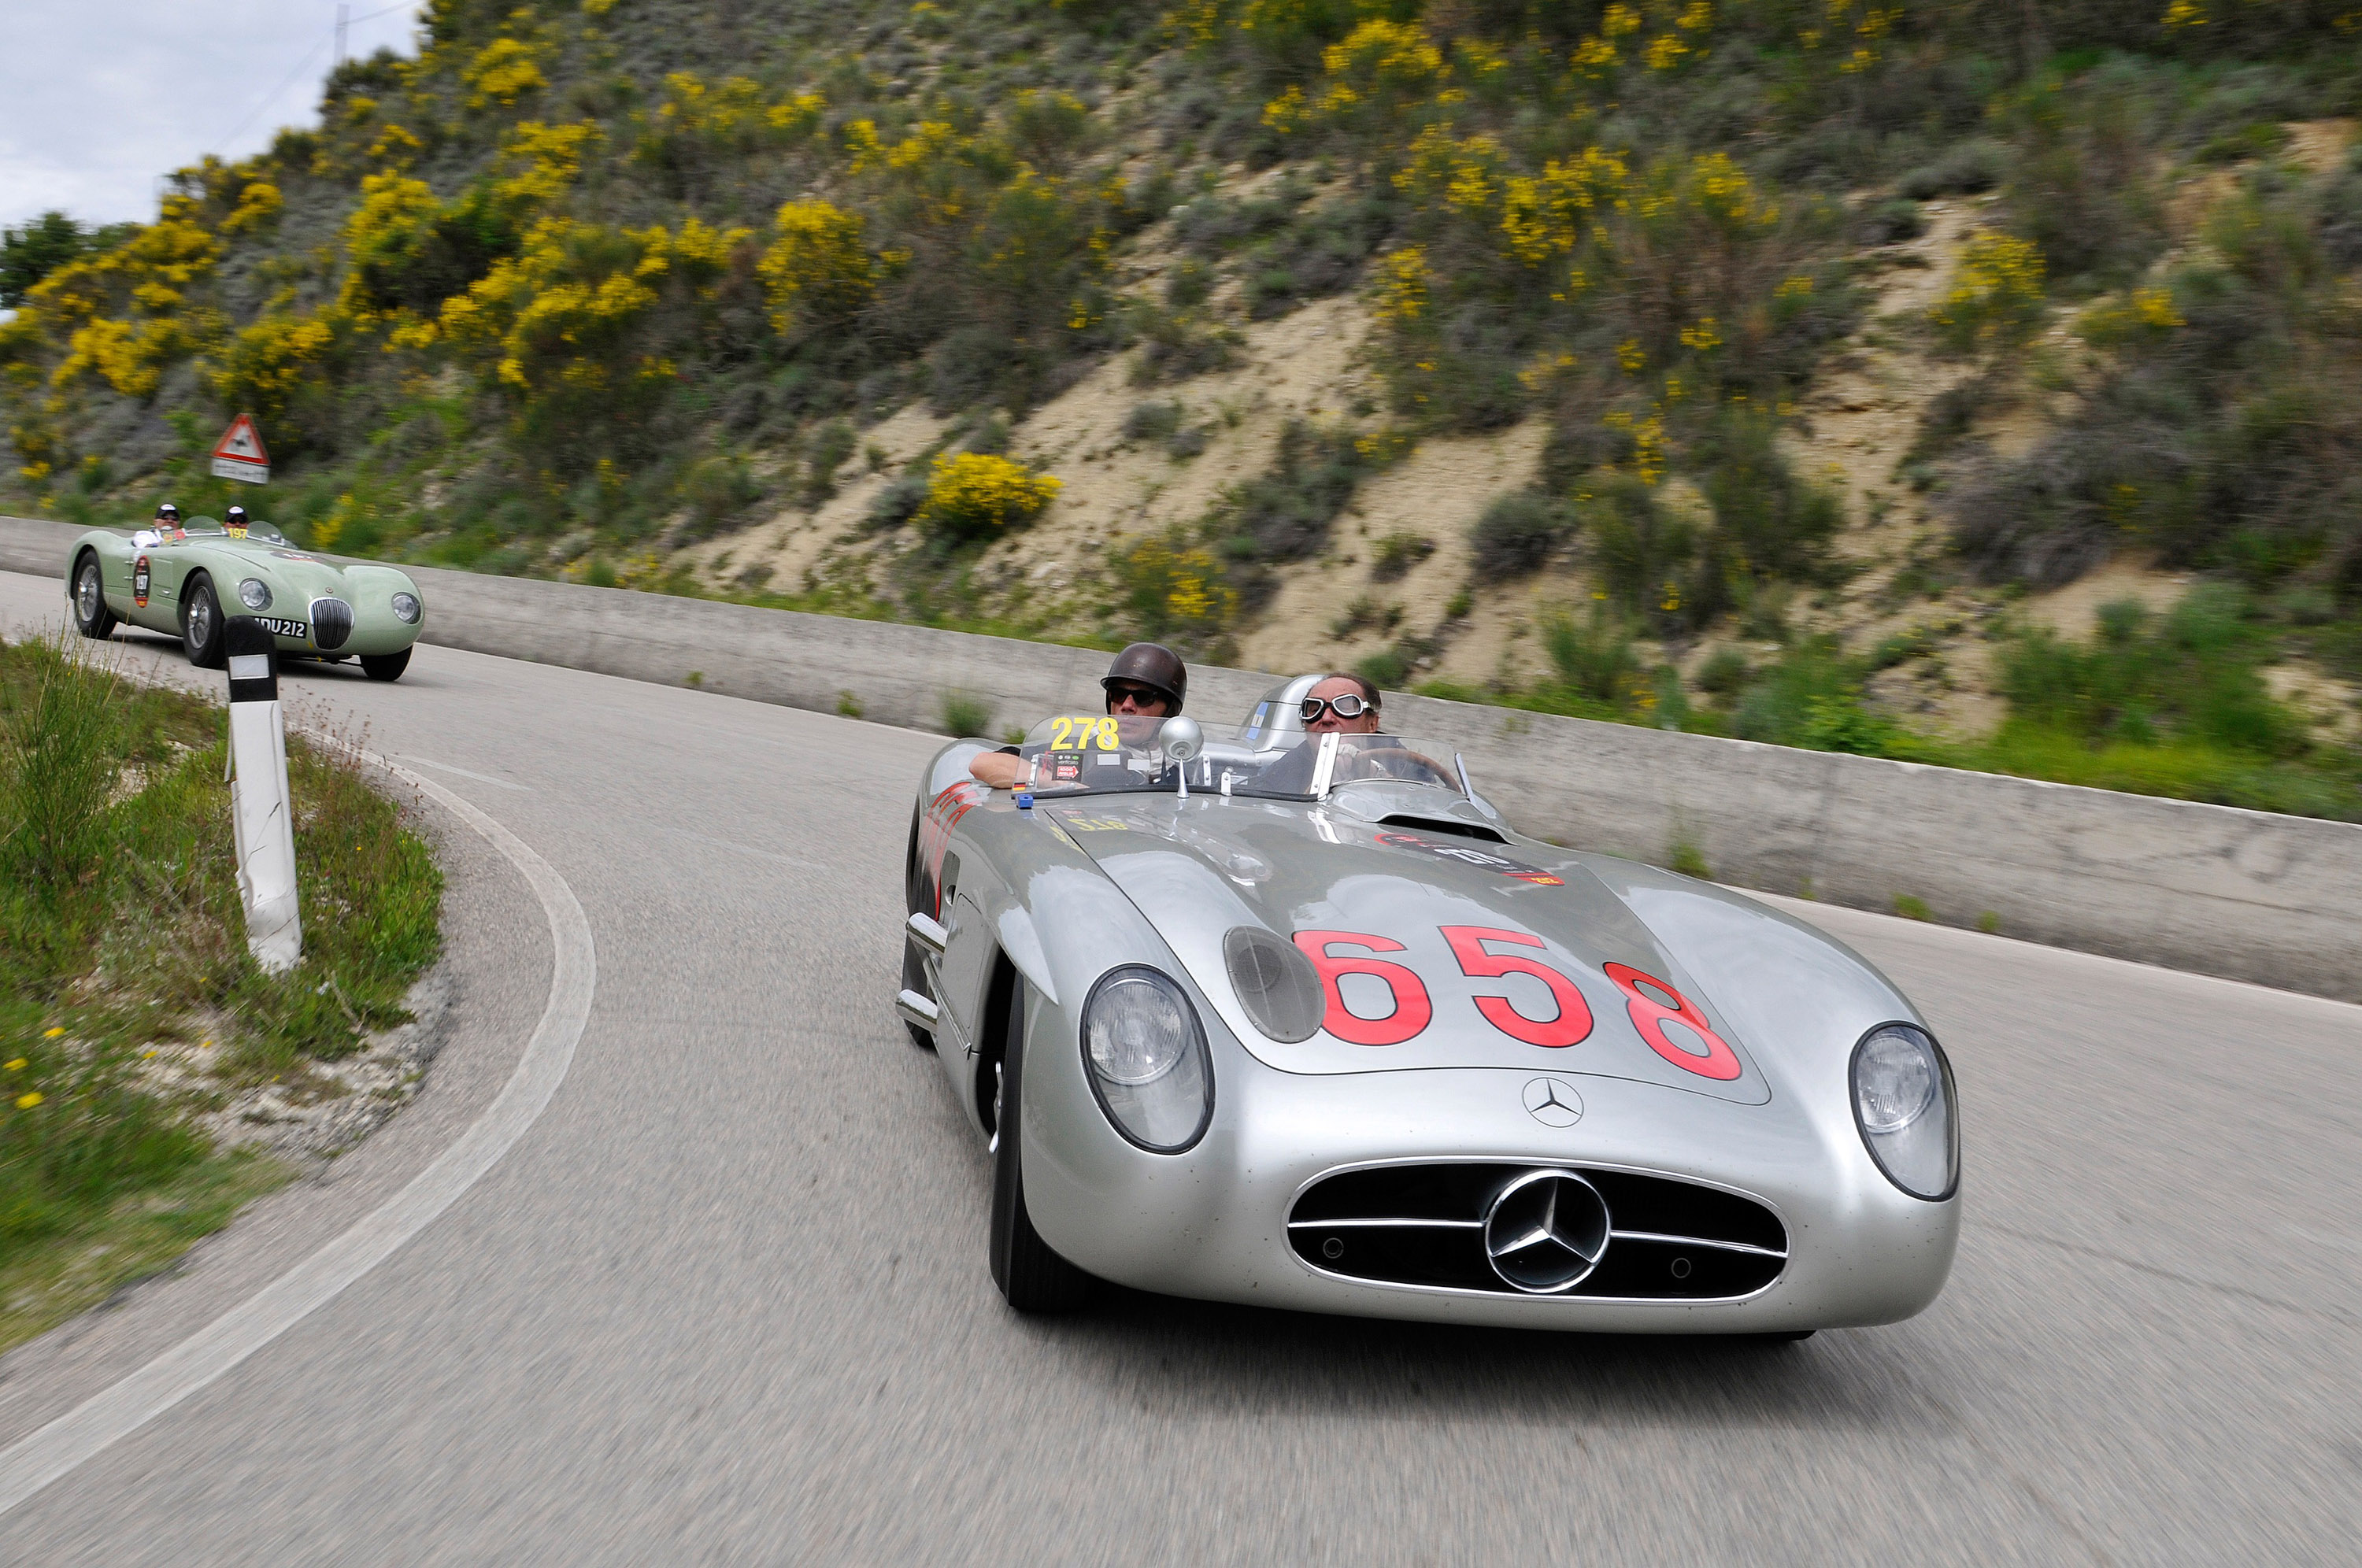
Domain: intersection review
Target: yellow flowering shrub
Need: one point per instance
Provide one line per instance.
(539, 161)
(1173, 591)
(1996, 296)
(264, 364)
(797, 117)
(817, 269)
(383, 239)
(1552, 215)
(395, 148)
(258, 204)
(975, 494)
(1385, 57)
(1403, 285)
(2145, 313)
(504, 72)
(129, 357)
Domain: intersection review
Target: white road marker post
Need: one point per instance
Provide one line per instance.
(261, 812)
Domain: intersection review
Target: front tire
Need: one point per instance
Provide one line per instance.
(1031, 1275)
(93, 619)
(386, 667)
(201, 622)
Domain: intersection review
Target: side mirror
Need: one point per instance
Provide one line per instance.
(1181, 739)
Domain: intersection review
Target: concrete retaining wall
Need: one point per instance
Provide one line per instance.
(2245, 894)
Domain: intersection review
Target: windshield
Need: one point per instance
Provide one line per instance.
(1097, 753)
(257, 529)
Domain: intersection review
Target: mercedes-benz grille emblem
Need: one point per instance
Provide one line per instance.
(1546, 1231)
(1553, 1102)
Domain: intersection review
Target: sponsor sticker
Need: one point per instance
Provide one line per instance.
(141, 578)
(1516, 870)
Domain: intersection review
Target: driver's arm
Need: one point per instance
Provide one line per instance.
(1001, 769)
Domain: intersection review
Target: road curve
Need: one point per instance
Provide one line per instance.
(726, 1300)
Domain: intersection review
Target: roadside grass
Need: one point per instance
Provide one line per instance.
(2172, 705)
(128, 1004)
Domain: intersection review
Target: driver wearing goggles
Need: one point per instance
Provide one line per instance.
(1145, 685)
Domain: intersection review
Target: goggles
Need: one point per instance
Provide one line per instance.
(1140, 696)
(1352, 705)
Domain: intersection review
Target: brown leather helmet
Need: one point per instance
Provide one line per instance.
(1152, 665)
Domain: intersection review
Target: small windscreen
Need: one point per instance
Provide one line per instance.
(1099, 754)
(254, 530)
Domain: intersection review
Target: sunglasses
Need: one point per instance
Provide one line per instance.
(1352, 705)
(1140, 696)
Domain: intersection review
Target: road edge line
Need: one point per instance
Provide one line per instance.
(55, 1449)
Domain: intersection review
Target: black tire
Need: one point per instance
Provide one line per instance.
(1032, 1276)
(386, 667)
(202, 628)
(93, 619)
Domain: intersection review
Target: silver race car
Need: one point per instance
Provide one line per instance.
(1299, 1021)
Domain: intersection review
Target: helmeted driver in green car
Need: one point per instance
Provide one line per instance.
(1146, 685)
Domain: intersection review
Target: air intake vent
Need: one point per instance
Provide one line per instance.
(1445, 824)
(1667, 1240)
(1276, 982)
(332, 623)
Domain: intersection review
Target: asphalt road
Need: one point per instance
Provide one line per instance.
(726, 1300)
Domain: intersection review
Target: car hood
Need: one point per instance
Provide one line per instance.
(301, 571)
(1633, 941)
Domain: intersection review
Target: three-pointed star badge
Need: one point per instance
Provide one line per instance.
(1553, 1102)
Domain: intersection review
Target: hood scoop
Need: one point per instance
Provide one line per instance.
(1482, 832)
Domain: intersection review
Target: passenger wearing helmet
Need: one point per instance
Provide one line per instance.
(234, 521)
(167, 522)
(1146, 682)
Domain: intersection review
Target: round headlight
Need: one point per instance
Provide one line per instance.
(405, 607)
(1146, 1055)
(254, 593)
(1903, 1102)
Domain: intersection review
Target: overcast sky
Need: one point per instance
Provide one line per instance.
(99, 97)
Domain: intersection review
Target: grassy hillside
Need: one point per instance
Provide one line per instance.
(1002, 293)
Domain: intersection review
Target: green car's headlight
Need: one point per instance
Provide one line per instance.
(405, 607)
(254, 593)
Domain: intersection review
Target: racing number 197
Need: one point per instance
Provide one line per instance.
(1649, 1000)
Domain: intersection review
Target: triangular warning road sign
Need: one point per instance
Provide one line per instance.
(241, 442)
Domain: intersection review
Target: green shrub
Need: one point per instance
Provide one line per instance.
(967, 715)
(1397, 553)
(1971, 167)
(831, 443)
(1152, 421)
(1284, 513)
(1724, 673)
(1517, 535)
(1593, 661)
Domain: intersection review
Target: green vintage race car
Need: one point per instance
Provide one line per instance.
(187, 582)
